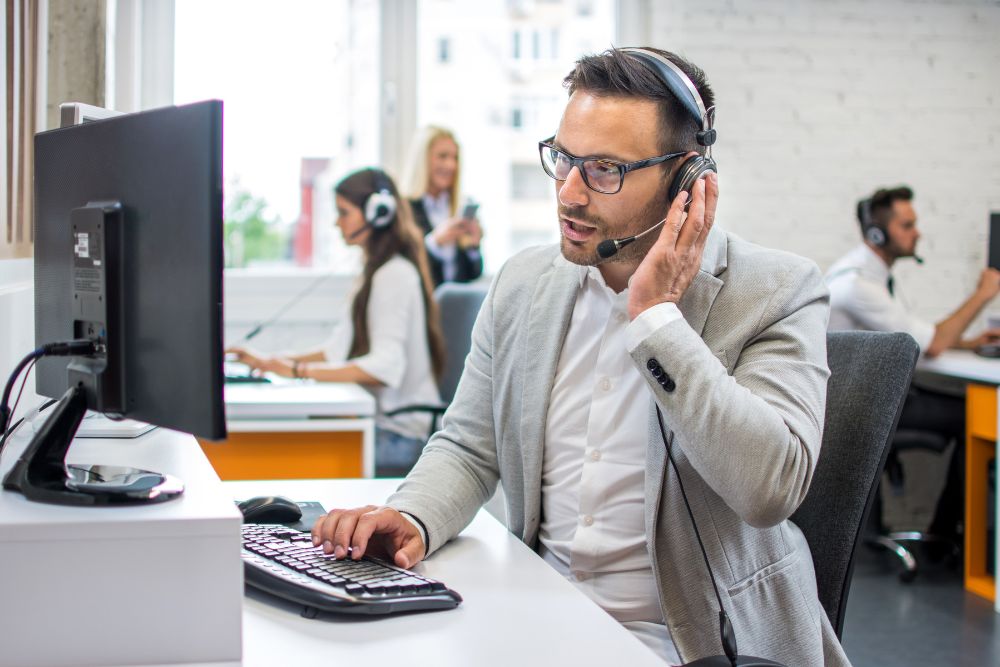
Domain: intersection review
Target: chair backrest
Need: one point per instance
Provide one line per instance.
(869, 376)
(459, 305)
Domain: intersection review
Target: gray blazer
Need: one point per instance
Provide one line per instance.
(745, 418)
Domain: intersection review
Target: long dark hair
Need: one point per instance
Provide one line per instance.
(400, 236)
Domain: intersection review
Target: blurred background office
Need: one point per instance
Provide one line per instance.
(818, 103)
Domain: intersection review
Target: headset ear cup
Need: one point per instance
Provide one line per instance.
(380, 209)
(875, 236)
(691, 170)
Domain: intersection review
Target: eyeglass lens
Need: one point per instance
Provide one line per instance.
(598, 174)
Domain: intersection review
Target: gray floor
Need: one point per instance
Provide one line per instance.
(931, 621)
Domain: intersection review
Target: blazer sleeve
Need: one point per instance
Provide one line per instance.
(753, 436)
(458, 470)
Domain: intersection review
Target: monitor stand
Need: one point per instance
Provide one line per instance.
(42, 474)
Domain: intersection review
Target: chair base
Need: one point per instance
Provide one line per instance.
(891, 541)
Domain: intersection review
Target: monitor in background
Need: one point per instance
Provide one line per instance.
(994, 258)
(128, 254)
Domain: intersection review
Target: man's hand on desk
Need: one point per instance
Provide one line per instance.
(381, 532)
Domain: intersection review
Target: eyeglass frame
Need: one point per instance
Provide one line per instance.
(623, 167)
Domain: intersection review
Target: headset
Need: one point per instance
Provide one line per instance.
(678, 83)
(872, 232)
(380, 207)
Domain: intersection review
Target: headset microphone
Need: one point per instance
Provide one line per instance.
(610, 247)
(358, 232)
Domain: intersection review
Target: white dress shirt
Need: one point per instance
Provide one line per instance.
(398, 355)
(439, 212)
(860, 298)
(593, 477)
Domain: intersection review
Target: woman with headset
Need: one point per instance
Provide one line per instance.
(388, 339)
(451, 237)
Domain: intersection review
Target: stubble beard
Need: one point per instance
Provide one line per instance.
(654, 211)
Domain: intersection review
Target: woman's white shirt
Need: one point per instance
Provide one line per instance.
(398, 354)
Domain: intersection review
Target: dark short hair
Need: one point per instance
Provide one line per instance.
(878, 207)
(615, 73)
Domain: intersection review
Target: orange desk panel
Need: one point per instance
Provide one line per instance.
(981, 446)
(286, 455)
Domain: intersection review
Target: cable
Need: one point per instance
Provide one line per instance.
(726, 634)
(281, 311)
(24, 381)
(26, 419)
(5, 412)
(81, 347)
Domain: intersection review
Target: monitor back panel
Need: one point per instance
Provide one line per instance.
(165, 167)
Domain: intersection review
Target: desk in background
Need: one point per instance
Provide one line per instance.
(289, 429)
(981, 377)
(517, 610)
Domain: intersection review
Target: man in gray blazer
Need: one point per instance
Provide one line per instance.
(574, 356)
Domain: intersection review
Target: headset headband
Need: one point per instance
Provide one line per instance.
(678, 83)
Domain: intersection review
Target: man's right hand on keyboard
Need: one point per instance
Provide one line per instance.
(387, 532)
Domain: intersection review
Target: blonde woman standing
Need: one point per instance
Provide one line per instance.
(451, 236)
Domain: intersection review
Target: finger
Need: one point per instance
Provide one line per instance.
(344, 534)
(411, 553)
(675, 220)
(384, 520)
(324, 530)
(695, 221)
(711, 199)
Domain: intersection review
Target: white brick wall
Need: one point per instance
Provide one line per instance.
(821, 102)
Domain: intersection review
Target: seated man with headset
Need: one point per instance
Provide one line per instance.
(646, 355)
(863, 296)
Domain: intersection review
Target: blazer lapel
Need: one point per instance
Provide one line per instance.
(548, 320)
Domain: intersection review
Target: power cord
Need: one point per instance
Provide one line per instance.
(61, 349)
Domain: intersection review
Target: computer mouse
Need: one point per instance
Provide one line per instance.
(270, 509)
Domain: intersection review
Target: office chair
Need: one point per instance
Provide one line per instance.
(459, 305)
(869, 376)
(896, 541)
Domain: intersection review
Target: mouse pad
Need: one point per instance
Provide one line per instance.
(311, 511)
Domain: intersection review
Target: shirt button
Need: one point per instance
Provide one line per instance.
(595, 455)
(579, 576)
(605, 384)
(588, 520)
(622, 318)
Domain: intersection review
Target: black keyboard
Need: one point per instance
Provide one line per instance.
(244, 379)
(283, 562)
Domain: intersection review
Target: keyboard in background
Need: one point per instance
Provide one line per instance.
(236, 373)
(283, 562)
(237, 379)
(990, 351)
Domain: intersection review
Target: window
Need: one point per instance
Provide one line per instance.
(500, 98)
(527, 181)
(515, 118)
(300, 88)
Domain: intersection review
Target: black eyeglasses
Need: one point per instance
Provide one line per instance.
(600, 174)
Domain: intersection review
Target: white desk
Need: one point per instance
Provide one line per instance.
(981, 376)
(516, 611)
(294, 429)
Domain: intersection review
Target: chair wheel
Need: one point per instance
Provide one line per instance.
(907, 576)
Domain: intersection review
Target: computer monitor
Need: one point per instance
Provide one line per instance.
(128, 254)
